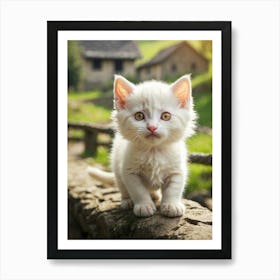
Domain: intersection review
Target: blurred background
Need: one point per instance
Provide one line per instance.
(91, 66)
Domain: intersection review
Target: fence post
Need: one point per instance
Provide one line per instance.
(90, 140)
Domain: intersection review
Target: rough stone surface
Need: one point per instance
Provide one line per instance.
(94, 212)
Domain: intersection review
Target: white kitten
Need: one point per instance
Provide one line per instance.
(149, 156)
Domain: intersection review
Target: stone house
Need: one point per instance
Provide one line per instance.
(103, 59)
(178, 59)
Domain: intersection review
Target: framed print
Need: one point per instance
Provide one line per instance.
(139, 140)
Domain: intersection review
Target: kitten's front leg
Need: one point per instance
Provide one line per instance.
(143, 204)
(171, 204)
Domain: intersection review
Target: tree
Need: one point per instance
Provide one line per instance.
(75, 72)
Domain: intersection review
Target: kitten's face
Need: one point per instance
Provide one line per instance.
(153, 113)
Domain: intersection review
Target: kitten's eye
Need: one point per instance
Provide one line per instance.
(166, 116)
(139, 116)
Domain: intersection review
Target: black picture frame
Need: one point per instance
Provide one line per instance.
(52, 197)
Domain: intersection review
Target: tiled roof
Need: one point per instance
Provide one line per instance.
(110, 49)
(165, 53)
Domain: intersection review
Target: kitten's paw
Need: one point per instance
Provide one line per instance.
(126, 204)
(144, 209)
(171, 209)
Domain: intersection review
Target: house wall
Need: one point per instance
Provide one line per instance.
(96, 77)
(183, 60)
(129, 68)
(152, 72)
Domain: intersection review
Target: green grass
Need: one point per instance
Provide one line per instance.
(102, 156)
(75, 133)
(200, 178)
(87, 112)
(202, 78)
(203, 107)
(200, 143)
(81, 111)
(85, 95)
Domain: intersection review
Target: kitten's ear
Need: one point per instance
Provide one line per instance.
(182, 89)
(122, 88)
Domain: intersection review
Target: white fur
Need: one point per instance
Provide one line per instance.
(144, 165)
(99, 175)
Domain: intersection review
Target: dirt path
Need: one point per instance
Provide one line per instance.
(77, 174)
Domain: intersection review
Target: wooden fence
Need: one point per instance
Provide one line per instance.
(91, 142)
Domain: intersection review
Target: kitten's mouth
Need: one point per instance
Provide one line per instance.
(152, 136)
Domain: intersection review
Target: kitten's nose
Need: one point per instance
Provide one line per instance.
(152, 128)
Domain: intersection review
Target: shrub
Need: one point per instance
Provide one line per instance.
(75, 68)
